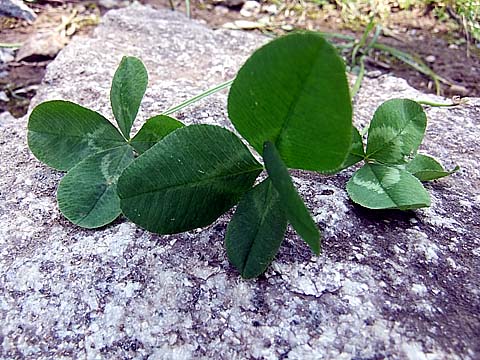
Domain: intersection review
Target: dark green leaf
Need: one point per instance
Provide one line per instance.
(426, 168)
(61, 133)
(396, 131)
(294, 207)
(294, 93)
(128, 86)
(256, 230)
(87, 195)
(187, 180)
(357, 152)
(387, 187)
(154, 129)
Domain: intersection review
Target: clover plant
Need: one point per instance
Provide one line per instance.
(69, 137)
(290, 102)
(390, 178)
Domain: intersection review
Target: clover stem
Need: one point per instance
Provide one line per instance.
(198, 97)
(435, 104)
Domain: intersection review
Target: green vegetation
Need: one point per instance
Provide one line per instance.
(390, 178)
(69, 137)
(357, 14)
(290, 101)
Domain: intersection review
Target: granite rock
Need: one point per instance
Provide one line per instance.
(388, 284)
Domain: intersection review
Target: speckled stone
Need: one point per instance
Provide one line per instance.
(396, 285)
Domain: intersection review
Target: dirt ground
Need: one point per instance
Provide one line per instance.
(442, 47)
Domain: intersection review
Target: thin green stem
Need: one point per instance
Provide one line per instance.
(329, 35)
(378, 31)
(435, 104)
(10, 45)
(362, 41)
(187, 8)
(198, 97)
(361, 74)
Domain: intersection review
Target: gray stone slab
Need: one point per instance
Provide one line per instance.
(388, 285)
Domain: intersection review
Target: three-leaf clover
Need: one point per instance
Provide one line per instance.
(69, 137)
(390, 178)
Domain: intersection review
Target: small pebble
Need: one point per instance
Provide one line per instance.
(3, 96)
(459, 90)
(250, 8)
(287, 27)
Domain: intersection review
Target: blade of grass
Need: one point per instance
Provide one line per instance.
(187, 8)
(10, 45)
(417, 64)
(378, 31)
(362, 41)
(361, 74)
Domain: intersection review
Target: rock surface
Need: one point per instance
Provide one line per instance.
(388, 284)
(16, 8)
(41, 46)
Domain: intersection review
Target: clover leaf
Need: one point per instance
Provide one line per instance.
(69, 137)
(294, 93)
(377, 186)
(256, 230)
(390, 178)
(396, 131)
(154, 130)
(87, 195)
(187, 180)
(292, 203)
(291, 95)
(426, 168)
(61, 134)
(128, 87)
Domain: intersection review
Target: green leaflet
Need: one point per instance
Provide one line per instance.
(293, 205)
(387, 187)
(396, 131)
(256, 230)
(154, 129)
(128, 87)
(187, 180)
(294, 93)
(426, 168)
(87, 195)
(61, 133)
(357, 152)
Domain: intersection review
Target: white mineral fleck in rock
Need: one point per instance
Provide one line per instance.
(419, 289)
